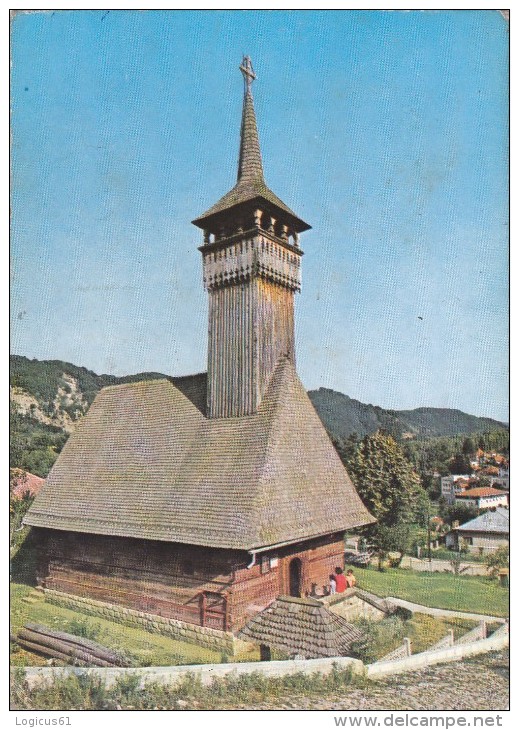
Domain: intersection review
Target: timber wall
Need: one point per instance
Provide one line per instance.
(251, 325)
(181, 582)
(253, 589)
(201, 586)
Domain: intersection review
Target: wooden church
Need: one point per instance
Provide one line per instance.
(204, 498)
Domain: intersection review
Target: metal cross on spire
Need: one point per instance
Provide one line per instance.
(248, 72)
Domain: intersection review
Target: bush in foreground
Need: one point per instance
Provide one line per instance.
(85, 692)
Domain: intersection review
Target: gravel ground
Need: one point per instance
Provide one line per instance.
(477, 684)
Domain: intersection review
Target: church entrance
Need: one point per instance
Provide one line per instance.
(295, 571)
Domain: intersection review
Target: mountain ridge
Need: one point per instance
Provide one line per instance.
(58, 393)
(343, 415)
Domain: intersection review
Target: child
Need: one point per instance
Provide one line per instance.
(333, 585)
(351, 581)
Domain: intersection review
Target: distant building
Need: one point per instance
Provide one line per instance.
(486, 533)
(23, 482)
(501, 482)
(452, 485)
(483, 497)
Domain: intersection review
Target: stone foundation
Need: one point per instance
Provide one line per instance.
(202, 636)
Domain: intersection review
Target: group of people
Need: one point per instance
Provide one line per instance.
(340, 582)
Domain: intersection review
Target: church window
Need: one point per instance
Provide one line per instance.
(265, 564)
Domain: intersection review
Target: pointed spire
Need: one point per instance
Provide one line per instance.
(250, 167)
(251, 185)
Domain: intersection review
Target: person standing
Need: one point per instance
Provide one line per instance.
(340, 581)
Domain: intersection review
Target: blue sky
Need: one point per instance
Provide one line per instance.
(386, 131)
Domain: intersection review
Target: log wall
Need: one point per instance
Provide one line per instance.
(253, 589)
(202, 586)
(183, 582)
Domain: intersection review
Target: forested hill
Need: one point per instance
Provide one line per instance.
(49, 396)
(343, 415)
(59, 387)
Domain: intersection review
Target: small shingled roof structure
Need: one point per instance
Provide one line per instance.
(301, 627)
(145, 462)
(494, 521)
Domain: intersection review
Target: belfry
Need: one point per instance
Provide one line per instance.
(252, 261)
(202, 498)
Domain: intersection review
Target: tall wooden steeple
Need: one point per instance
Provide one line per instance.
(251, 264)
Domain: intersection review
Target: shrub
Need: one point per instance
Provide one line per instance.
(497, 560)
(405, 614)
(84, 692)
(456, 566)
(84, 629)
(380, 638)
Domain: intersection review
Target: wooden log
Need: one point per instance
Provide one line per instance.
(70, 645)
(72, 651)
(83, 644)
(45, 650)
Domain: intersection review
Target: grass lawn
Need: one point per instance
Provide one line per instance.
(142, 647)
(425, 630)
(475, 594)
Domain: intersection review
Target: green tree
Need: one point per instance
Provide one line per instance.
(460, 512)
(346, 448)
(497, 560)
(469, 446)
(460, 464)
(390, 489)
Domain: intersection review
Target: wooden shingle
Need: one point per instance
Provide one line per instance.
(145, 462)
(250, 186)
(302, 627)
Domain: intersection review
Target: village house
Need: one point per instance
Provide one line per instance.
(484, 534)
(483, 497)
(454, 484)
(502, 481)
(23, 483)
(204, 498)
(457, 485)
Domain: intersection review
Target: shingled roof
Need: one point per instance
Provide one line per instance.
(251, 185)
(146, 463)
(302, 626)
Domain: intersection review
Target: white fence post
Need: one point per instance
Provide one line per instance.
(401, 652)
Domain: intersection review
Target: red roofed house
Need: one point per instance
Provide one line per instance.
(483, 497)
(204, 498)
(23, 482)
(452, 485)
